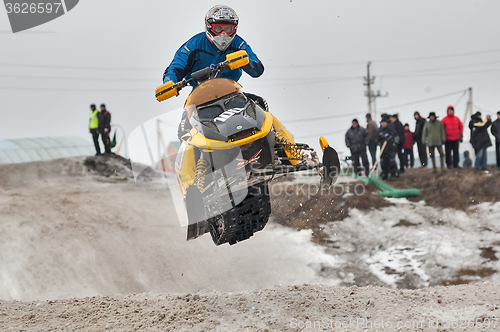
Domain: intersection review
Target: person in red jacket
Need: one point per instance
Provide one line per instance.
(408, 147)
(454, 130)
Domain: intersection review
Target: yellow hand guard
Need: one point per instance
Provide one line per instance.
(166, 90)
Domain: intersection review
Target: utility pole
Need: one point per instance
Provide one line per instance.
(468, 108)
(369, 81)
(467, 116)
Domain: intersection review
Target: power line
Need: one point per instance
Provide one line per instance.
(459, 99)
(281, 67)
(323, 134)
(284, 81)
(310, 82)
(390, 60)
(482, 109)
(74, 90)
(81, 78)
(421, 101)
(445, 68)
(444, 74)
(440, 56)
(323, 118)
(76, 67)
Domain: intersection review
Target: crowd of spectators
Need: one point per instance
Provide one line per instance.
(393, 139)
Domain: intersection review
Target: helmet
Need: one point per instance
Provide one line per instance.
(221, 23)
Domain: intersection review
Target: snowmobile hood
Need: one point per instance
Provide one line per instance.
(198, 139)
(211, 90)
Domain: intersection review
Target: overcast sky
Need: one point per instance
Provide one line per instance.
(314, 53)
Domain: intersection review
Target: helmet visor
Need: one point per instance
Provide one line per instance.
(218, 28)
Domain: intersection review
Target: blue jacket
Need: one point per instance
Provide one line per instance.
(198, 53)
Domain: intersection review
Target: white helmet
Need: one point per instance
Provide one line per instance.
(221, 23)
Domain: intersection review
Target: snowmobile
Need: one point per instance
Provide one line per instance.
(235, 147)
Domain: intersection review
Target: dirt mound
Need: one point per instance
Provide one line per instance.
(27, 173)
(307, 206)
(83, 234)
(285, 308)
(109, 165)
(452, 188)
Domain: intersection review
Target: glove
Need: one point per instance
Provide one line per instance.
(461, 138)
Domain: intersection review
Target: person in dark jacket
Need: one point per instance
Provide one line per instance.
(210, 47)
(388, 136)
(389, 122)
(409, 158)
(495, 131)
(105, 128)
(372, 128)
(454, 130)
(356, 139)
(480, 139)
(400, 129)
(417, 137)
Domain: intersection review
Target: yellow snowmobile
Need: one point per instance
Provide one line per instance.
(233, 150)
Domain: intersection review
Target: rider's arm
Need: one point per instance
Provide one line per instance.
(178, 67)
(258, 67)
(183, 60)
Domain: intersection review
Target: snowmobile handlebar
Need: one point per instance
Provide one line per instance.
(233, 61)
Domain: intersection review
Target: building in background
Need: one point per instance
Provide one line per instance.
(168, 157)
(14, 151)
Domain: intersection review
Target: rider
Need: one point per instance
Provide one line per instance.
(209, 48)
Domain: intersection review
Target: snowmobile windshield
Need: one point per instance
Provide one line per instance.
(210, 112)
(236, 102)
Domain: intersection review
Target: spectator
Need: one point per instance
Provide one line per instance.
(389, 122)
(408, 147)
(105, 128)
(400, 130)
(480, 139)
(388, 154)
(371, 126)
(357, 139)
(467, 161)
(495, 131)
(417, 137)
(434, 136)
(454, 131)
(94, 128)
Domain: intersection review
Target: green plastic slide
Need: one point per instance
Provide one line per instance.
(387, 190)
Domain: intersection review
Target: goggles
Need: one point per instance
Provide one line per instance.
(218, 28)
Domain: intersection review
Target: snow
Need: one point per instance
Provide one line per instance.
(314, 254)
(435, 248)
(399, 259)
